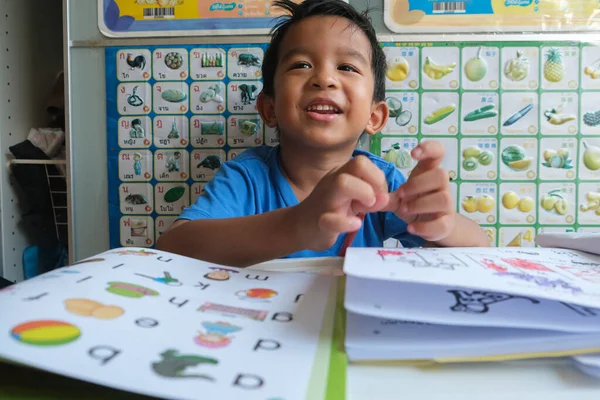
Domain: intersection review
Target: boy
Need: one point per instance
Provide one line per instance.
(324, 85)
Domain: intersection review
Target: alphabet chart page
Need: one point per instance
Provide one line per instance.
(155, 323)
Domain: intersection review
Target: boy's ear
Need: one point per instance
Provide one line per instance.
(266, 109)
(380, 113)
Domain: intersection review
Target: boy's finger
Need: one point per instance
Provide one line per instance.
(381, 202)
(349, 188)
(432, 230)
(437, 202)
(366, 170)
(428, 154)
(429, 181)
(339, 223)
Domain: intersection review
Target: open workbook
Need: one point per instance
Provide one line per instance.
(467, 304)
(159, 324)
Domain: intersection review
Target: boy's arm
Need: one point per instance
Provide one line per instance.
(314, 224)
(237, 242)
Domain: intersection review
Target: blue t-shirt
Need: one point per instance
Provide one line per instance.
(253, 183)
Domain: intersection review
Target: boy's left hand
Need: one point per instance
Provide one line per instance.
(424, 201)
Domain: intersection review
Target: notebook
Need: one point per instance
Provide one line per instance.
(470, 304)
(158, 324)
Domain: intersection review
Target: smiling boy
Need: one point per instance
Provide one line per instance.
(324, 85)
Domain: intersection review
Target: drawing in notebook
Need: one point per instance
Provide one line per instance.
(492, 303)
(479, 302)
(417, 260)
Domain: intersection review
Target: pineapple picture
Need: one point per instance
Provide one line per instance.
(554, 70)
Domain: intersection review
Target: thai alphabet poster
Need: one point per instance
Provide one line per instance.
(174, 115)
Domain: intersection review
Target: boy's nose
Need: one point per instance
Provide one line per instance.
(324, 79)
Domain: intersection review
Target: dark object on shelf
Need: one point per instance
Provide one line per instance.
(55, 107)
(38, 216)
(4, 283)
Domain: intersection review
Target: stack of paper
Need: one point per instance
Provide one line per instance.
(464, 304)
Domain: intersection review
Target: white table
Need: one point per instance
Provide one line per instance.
(551, 379)
(528, 380)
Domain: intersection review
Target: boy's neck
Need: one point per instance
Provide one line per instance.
(304, 169)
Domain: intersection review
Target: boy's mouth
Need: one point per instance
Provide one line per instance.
(323, 110)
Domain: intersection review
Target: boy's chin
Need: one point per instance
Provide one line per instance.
(325, 139)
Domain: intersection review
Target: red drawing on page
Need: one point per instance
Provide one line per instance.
(384, 253)
(393, 255)
(493, 266)
(590, 272)
(525, 264)
(514, 262)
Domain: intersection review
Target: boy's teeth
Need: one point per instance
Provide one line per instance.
(322, 107)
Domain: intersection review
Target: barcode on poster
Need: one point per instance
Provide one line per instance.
(450, 7)
(159, 13)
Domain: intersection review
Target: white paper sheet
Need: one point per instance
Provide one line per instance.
(369, 338)
(164, 325)
(588, 363)
(557, 274)
(456, 306)
(588, 242)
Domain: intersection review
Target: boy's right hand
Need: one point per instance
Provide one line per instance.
(359, 186)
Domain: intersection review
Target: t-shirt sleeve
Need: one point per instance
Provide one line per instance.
(395, 227)
(229, 194)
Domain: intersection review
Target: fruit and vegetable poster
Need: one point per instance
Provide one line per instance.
(163, 325)
(475, 16)
(160, 18)
(174, 115)
(520, 123)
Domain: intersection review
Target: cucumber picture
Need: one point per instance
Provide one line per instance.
(439, 114)
(481, 113)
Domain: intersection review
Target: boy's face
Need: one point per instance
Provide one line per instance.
(324, 85)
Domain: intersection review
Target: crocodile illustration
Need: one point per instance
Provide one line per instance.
(174, 365)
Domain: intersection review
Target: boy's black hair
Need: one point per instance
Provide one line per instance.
(310, 8)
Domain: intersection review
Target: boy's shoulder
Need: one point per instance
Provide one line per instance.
(256, 157)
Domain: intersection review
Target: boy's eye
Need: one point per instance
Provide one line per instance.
(346, 67)
(300, 64)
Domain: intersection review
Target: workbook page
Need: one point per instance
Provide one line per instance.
(391, 339)
(154, 323)
(449, 305)
(556, 274)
